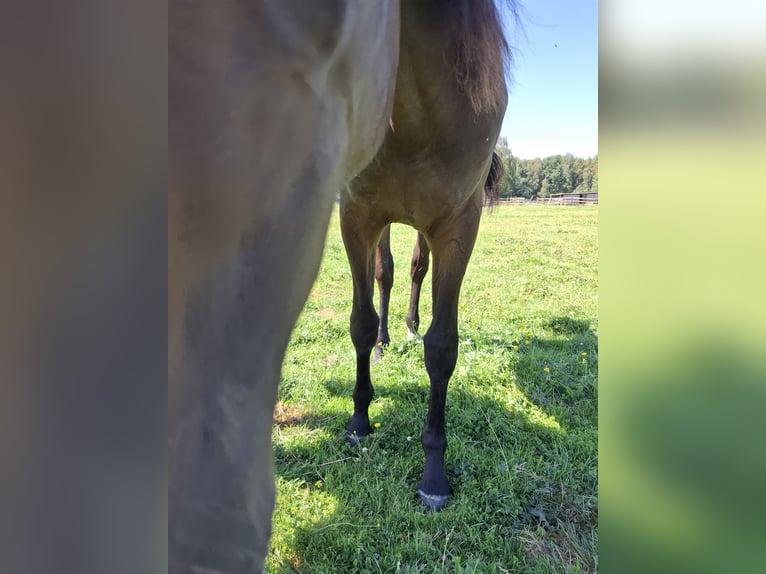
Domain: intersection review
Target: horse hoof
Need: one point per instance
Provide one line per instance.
(433, 502)
(354, 439)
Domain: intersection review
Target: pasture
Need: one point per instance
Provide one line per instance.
(521, 414)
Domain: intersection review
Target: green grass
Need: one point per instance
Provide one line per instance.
(521, 415)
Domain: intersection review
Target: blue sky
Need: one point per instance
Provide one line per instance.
(553, 104)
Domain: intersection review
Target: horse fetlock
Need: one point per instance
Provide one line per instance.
(380, 346)
(434, 444)
(383, 339)
(362, 395)
(412, 322)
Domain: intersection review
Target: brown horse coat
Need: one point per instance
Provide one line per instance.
(274, 107)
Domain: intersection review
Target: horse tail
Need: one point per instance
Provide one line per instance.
(494, 178)
(482, 57)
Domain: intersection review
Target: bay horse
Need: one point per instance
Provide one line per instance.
(274, 106)
(384, 267)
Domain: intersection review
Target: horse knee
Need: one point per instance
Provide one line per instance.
(364, 329)
(433, 441)
(412, 320)
(440, 355)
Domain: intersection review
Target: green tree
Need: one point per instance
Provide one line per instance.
(528, 179)
(544, 189)
(577, 173)
(587, 176)
(509, 163)
(533, 178)
(552, 172)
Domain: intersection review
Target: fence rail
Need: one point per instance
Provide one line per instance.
(564, 199)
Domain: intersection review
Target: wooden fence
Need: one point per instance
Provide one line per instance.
(558, 199)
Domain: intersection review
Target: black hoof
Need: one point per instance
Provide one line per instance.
(358, 428)
(433, 502)
(354, 438)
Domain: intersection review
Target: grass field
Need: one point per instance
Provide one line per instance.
(521, 415)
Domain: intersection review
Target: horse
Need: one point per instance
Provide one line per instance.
(384, 267)
(272, 109)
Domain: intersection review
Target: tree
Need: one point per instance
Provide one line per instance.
(553, 173)
(577, 173)
(533, 178)
(509, 163)
(521, 187)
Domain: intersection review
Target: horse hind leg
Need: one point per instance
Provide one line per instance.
(360, 238)
(384, 275)
(452, 244)
(418, 270)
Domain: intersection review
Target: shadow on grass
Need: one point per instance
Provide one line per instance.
(557, 374)
(524, 493)
(568, 326)
(568, 389)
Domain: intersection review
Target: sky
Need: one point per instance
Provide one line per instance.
(553, 101)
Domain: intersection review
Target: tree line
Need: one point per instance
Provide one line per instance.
(533, 178)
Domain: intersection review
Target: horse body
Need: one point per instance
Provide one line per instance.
(438, 149)
(384, 266)
(429, 173)
(272, 108)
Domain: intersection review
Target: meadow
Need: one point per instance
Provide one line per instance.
(521, 414)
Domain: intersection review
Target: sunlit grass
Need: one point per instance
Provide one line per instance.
(521, 415)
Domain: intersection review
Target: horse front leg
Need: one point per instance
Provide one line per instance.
(418, 270)
(359, 238)
(384, 275)
(452, 244)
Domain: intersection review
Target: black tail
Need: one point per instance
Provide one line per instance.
(494, 177)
